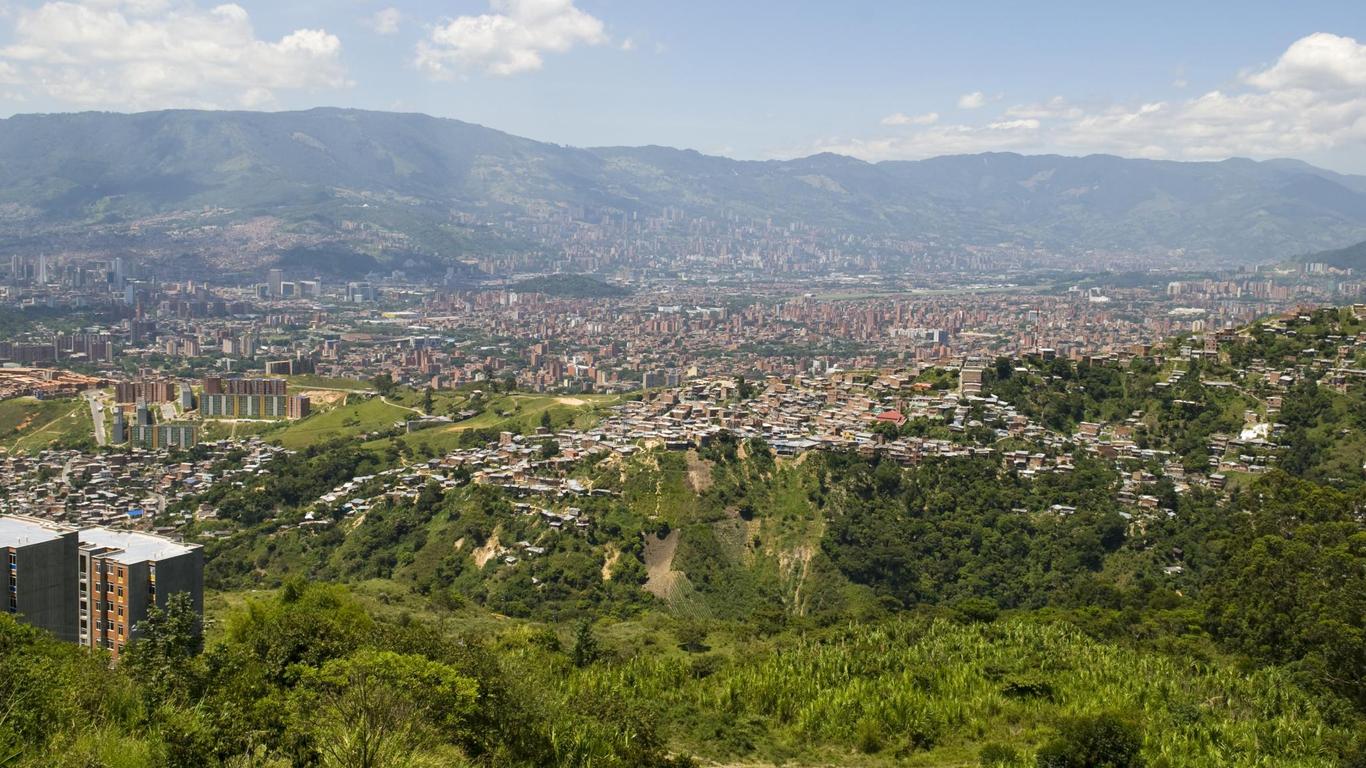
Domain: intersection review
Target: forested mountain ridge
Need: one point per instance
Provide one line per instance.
(318, 167)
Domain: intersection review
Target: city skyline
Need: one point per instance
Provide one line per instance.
(758, 82)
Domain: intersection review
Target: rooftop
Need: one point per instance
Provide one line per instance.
(135, 547)
(16, 531)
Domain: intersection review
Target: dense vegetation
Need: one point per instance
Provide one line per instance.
(314, 676)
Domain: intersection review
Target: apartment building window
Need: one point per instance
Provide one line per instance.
(120, 591)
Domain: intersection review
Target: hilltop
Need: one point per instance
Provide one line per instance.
(1352, 257)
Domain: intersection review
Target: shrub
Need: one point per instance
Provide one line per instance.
(868, 736)
(994, 755)
(1097, 741)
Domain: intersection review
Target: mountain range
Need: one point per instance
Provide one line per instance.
(412, 172)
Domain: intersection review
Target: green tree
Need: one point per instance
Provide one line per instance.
(692, 636)
(1097, 741)
(379, 709)
(585, 650)
(165, 651)
(383, 384)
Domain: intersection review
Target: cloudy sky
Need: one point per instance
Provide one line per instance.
(747, 78)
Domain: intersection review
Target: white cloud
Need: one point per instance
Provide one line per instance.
(1320, 62)
(901, 118)
(508, 41)
(1311, 100)
(143, 54)
(628, 45)
(386, 21)
(972, 100)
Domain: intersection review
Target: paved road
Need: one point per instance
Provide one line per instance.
(97, 416)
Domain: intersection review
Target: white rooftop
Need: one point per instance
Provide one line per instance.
(137, 547)
(22, 531)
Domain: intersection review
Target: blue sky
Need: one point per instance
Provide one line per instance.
(758, 79)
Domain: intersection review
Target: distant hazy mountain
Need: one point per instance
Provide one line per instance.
(99, 168)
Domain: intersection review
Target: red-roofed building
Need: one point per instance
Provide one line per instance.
(894, 417)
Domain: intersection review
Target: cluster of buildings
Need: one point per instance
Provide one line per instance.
(44, 383)
(265, 399)
(94, 586)
(119, 489)
(250, 398)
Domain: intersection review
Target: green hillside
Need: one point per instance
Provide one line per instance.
(28, 425)
(1352, 257)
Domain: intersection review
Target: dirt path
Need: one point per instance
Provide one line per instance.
(404, 407)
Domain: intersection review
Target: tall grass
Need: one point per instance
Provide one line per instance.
(935, 688)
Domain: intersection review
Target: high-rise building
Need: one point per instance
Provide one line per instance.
(154, 436)
(220, 385)
(276, 278)
(357, 293)
(151, 391)
(40, 574)
(123, 574)
(120, 434)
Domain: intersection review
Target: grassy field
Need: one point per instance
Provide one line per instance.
(356, 417)
(30, 425)
(521, 413)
